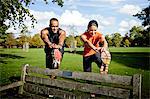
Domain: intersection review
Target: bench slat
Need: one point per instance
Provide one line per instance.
(12, 85)
(137, 78)
(46, 91)
(116, 79)
(103, 90)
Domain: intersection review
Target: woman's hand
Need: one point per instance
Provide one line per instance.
(99, 49)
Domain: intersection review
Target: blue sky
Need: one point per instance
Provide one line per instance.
(112, 15)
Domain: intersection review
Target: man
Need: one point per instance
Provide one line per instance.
(53, 38)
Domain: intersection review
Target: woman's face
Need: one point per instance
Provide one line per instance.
(92, 29)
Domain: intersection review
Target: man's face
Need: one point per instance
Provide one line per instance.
(54, 26)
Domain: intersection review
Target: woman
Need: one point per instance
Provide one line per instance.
(94, 44)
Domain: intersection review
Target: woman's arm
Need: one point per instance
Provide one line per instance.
(85, 40)
(105, 45)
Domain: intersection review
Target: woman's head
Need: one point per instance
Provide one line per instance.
(92, 26)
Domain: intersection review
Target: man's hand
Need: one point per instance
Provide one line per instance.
(56, 46)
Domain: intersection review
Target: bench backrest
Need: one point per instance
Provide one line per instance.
(36, 80)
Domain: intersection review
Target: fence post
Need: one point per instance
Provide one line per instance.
(23, 73)
(137, 86)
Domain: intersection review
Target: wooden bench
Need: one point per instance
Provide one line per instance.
(36, 82)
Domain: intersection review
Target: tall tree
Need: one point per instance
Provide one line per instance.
(136, 36)
(69, 40)
(116, 39)
(144, 15)
(16, 12)
(126, 41)
(10, 40)
(109, 40)
(79, 41)
(21, 40)
(36, 41)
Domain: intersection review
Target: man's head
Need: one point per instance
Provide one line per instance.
(54, 25)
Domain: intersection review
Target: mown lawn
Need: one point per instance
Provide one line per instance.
(125, 61)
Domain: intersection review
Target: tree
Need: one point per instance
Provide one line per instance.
(144, 15)
(16, 11)
(136, 36)
(109, 40)
(68, 41)
(79, 41)
(21, 40)
(10, 40)
(36, 41)
(116, 39)
(126, 41)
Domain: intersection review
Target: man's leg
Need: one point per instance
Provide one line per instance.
(49, 60)
(49, 63)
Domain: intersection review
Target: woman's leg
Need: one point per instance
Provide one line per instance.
(106, 69)
(102, 68)
(87, 64)
(97, 59)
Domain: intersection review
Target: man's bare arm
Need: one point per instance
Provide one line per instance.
(44, 36)
(62, 38)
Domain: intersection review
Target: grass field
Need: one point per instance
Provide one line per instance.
(125, 61)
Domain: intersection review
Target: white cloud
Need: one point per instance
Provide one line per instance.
(67, 18)
(130, 9)
(103, 21)
(109, 1)
(122, 30)
(134, 23)
(108, 21)
(73, 18)
(46, 15)
(42, 19)
(114, 1)
(126, 25)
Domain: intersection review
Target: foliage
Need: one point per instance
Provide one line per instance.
(136, 36)
(21, 40)
(126, 43)
(36, 41)
(109, 40)
(116, 39)
(79, 41)
(69, 40)
(16, 12)
(10, 40)
(144, 15)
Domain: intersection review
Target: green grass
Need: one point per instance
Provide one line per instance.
(125, 61)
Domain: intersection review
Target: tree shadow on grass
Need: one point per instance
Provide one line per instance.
(139, 60)
(4, 57)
